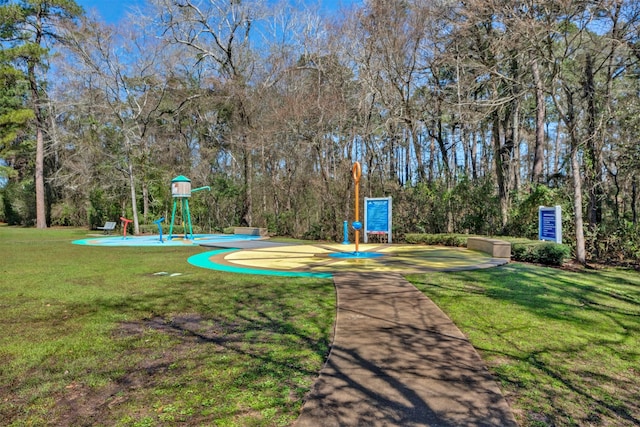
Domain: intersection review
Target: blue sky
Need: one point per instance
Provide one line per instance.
(109, 10)
(112, 11)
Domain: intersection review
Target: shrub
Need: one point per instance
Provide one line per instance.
(436, 239)
(552, 253)
(546, 253)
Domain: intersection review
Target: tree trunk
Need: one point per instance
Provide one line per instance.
(502, 154)
(474, 155)
(246, 217)
(432, 156)
(515, 138)
(577, 206)
(634, 196)
(145, 200)
(134, 201)
(417, 148)
(541, 112)
(41, 215)
(593, 157)
(41, 212)
(569, 119)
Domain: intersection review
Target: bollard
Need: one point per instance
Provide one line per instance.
(345, 230)
(157, 222)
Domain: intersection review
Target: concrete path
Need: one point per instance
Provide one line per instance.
(398, 360)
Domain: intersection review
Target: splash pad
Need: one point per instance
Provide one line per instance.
(253, 254)
(157, 241)
(324, 260)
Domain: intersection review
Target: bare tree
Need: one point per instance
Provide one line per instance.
(134, 92)
(217, 34)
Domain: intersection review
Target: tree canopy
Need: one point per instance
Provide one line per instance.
(470, 114)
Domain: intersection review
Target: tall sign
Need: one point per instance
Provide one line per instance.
(377, 217)
(550, 223)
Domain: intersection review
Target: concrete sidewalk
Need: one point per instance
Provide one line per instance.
(398, 360)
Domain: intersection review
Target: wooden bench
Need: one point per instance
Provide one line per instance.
(108, 227)
(250, 231)
(494, 247)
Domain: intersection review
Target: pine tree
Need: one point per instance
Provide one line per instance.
(28, 29)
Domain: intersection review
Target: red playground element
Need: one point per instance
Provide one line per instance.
(125, 225)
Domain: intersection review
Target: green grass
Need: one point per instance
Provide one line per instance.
(565, 346)
(92, 337)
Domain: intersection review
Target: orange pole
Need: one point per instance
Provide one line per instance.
(356, 172)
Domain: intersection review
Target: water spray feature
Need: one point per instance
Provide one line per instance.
(356, 173)
(125, 225)
(158, 222)
(181, 190)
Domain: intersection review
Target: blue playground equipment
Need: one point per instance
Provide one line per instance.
(345, 232)
(158, 222)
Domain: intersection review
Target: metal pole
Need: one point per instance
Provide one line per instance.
(173, 217)
(188, 216)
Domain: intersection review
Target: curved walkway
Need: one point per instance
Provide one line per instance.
(398, 360)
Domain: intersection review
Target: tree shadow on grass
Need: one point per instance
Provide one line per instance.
(195, 349)
(563, 344)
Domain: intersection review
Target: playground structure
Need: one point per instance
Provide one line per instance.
(181, 190)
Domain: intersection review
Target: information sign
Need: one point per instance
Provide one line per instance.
(377, 217)
(550, 224)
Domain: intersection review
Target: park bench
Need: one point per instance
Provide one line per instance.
(494, 247)
(108, 227)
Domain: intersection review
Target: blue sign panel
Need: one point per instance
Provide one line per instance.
(550, 224)
(377, 216)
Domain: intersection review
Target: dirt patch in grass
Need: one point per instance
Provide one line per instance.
(82, 404)
(186, 327)
(164, 358)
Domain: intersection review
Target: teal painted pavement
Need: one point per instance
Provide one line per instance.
(154, 240)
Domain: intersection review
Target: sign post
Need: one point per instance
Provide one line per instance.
(550, 223)
(377, 217)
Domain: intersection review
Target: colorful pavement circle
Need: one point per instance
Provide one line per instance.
(323, 260)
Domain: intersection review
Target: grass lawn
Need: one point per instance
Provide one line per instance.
(564, 346)
(91, 336)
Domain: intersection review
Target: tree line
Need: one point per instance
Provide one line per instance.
(469, 114)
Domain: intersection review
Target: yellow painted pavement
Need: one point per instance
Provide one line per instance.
(394, 258)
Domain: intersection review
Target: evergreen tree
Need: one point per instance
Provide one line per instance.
(28, 29)
(14, 117)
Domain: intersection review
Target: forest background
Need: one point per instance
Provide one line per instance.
(469, 114)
